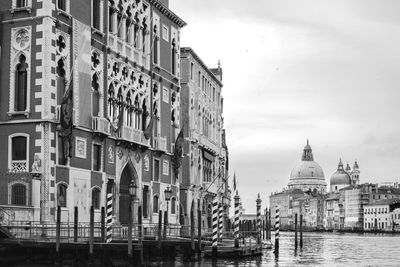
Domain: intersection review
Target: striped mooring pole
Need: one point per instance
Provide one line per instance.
(215, 226)
(220, 220)
(109, 218)
(236, 220)
(277, 230)
(258, 202)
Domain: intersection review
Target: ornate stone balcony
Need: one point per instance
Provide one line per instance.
(101, 125)
(133, 135)
(160, 143)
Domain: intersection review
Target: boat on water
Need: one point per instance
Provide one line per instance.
(266, 244)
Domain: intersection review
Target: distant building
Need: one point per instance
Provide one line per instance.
(332, 211)
(381, 215)
(283, 200)
(205, 163)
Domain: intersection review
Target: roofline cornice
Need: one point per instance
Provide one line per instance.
(167, 12)
(189, 50)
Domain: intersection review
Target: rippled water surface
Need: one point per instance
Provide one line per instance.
(321, 249)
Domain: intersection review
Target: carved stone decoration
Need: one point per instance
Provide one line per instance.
(37, 164)
(120, 153)
(137, 157)
(110, 155)
(21, 39)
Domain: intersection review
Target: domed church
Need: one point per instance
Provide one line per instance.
(307, 174)
(344, 177)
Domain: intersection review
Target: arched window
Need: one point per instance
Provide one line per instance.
(137, 116)
(129, 110)
(173, 57)
(128, 31)
(144, 30)
(173, 205)
(21, 84)
(60, 81)
(111, 95)
(95, 95)
(155, 45)
(19, 154)
(155, 204)
(62, 195)
(96, 198)
(144, 115)
(18, 195)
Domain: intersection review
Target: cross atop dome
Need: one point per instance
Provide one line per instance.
(307, 153)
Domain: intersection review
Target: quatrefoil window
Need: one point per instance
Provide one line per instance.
(95, 60)
(61, 45)
(22, 39)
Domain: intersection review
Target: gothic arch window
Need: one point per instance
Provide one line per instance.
(18, 145)
(144, 115)
(19, 194)
(61, 81)
(155, 45)
(111, 100)
(129, 110)
(144, 34)
(173, 57)
(137, 115)
(21, 84)
(95, 95)
(120, 102)
(62, 195)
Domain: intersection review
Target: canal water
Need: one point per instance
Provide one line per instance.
(319, 249)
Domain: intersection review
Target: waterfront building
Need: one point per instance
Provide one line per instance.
(332, 211)
(284, 200)
(89, 105)
(381, 215)
(205, 164)
(307, 174)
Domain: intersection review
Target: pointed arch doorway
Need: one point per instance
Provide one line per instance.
(128, 174)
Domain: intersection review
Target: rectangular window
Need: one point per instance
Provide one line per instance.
(62, 4)
(145, 201)
(96, 157)
(21, 3)
(165, 167)
(156, 175)
(110, 19)
(60, 151)
(191, 70)
(155, 204)
(165, 33)
(198, 79)
(96, 14)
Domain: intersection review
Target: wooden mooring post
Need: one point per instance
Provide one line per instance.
(58, 230)
(140, 234)
(192, 229)
(301, 230)
(159, 228)
(199, 230)
(75, 224)
(91, 231)
(276, 249)
(130, 230)
(295, 231)
(103, 224)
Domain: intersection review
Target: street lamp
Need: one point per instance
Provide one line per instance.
(167, 194)
(132, 188)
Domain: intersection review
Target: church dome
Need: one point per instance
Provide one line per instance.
(340, 177)
(307, 174)
(307, 170)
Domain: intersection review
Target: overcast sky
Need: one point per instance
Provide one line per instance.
(323, 70)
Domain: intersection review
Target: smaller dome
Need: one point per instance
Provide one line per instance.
(340, 177)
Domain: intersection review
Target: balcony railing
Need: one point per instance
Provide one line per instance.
(160, 143)
(19, 166)
(133, 135)
(127, 50)
(101, 125)
(210, 144)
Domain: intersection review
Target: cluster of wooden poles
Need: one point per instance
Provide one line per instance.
(277, 226)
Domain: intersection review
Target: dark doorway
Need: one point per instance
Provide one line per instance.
(128, 174)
